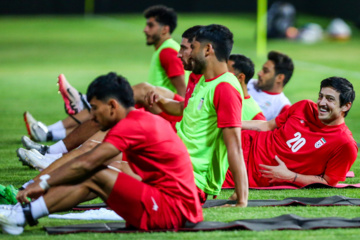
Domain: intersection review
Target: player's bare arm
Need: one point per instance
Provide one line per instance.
(281, 173)
(258, 125)
(179, 84)
(75, 170)
(232, 139)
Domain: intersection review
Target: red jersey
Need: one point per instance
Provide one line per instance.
(159, 157)
(193, 80)
(303, 143)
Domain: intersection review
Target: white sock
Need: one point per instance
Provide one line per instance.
(56, 126)
(20, 217)
(58, 147)
(58, 134)
(39, 208)
(27, 183)
(54, 156)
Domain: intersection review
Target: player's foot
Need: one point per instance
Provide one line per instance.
(2, 196)
(29, 144)
(72, 97)
(8, 194)
(33, 158)
(37, 130)
(29, 120)
(9, 220)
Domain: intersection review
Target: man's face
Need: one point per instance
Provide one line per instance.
(101, 113)
(184, 54)
(197, 57)
(152, 31)
(266, 76)
(329, 106)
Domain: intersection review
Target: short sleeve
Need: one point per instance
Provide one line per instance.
(171, 63)
(228, 104)
(341, 161)
(284, 115)
(125, 135)
(259, 116)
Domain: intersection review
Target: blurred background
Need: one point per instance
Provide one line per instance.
(39, 39)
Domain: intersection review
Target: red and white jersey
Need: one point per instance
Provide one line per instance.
(303, 142)
(271, 104)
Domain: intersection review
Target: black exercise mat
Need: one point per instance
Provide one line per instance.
(283, 222)
(293, 201)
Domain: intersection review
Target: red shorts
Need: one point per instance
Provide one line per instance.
(143, 206)
(202, 195)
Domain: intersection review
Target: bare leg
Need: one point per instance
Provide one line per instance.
(81, 134)
(61, 198)
(86, 147)
(82, 116)
(140, 91)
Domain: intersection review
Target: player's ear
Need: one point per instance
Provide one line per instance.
(241, 77)
(165, 29)
(113, 104)
(208, 49)
(280, 78)
(346, 107)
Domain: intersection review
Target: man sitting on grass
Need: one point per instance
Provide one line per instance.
(308, 143)
(154, 190)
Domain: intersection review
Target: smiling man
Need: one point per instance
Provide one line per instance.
(267, 90)
(308, 143)
(155, 189)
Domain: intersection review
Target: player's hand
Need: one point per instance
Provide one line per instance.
(32, 191)
(278, 173)
(151, 97)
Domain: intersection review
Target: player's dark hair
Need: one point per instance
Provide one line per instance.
(190, 32)
(243, 65)
(220, 37)
(342, 86)
(283, 65)
(111, 86)
(163, 15)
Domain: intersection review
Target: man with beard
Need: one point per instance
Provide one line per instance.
(211, 124)
(268, 89)
(166, 69)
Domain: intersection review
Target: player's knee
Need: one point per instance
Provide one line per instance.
(140, 91)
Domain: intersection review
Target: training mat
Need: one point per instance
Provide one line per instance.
(292, 201)
(313, 185)
(283, 222)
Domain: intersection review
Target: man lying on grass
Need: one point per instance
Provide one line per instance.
(308, 143)
(155, 189)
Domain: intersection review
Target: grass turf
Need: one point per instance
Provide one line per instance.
(35, 50)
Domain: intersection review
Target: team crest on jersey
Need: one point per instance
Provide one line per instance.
(200, 103)
(320, 143)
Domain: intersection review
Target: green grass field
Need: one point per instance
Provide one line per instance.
(35, 50)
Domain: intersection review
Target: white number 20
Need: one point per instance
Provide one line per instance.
(296, 143)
